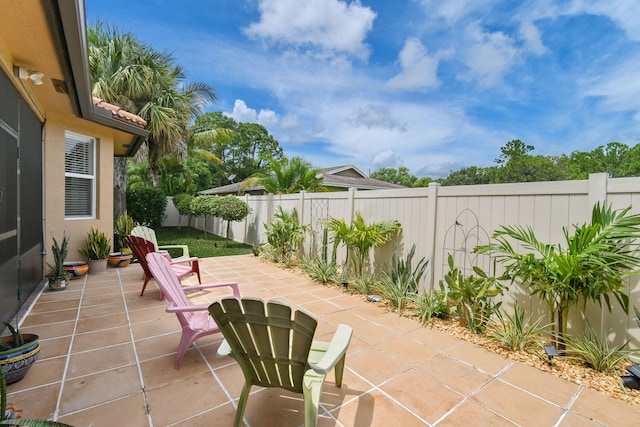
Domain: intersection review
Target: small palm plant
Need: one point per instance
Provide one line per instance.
(285, 234)
(591, 265)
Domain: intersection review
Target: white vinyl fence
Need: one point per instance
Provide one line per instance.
(453, 220)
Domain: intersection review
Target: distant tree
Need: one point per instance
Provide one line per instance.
(512, 150)
(399, 176)
(527, 168)
(423, 182)
(243, 148)
(230, 208)
(472, 175)
(204, 206)
(288, 176)
(182, 202)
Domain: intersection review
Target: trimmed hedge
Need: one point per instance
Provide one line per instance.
(147, 205)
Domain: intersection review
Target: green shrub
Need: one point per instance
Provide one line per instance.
(516, 332)
(431, 304)
(366, 282)
(146, 205)
(320, 270)
(595, 352)
(230, 208)
(285, 235)
(472, 296)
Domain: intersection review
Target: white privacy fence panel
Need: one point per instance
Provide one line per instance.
(442, 220)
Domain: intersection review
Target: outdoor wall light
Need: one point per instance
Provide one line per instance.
(551, 352)
(34, 76)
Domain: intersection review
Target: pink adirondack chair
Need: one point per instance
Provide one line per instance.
(141, 247)
(194, 319)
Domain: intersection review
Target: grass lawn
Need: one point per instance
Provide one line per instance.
(198, 246)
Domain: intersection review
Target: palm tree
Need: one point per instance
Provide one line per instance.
(127, 72)
(591, 266)
(288, 176)
(359, 237)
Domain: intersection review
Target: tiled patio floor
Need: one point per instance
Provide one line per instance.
(107, 360)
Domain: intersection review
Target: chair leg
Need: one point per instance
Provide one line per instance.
(339, 370)
(242, 404)
(144, 285)
(311, 393)
(185, 342)
(196, 267)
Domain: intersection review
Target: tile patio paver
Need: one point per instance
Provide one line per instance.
(108, 356)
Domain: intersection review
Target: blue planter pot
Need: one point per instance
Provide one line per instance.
(20, 359)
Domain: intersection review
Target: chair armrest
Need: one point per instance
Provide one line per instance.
(232, 285)
(185, 249)
(333, 351)
(183, 260)
(223, 350)
(186, 308)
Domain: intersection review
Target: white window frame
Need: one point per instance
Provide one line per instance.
(91, 177)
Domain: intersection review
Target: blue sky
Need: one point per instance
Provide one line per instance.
(431, 85)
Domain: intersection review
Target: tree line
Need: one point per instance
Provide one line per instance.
(517, 164)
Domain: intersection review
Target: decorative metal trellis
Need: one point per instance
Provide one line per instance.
(319, 214)
(461, 238)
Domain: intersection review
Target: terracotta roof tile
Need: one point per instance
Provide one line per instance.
(120, 114)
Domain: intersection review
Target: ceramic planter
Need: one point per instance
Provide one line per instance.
(120, 259)
(76, 269)
(58, 283)
(97, 266)
(20, 359)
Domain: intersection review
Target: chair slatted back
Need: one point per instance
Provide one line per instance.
(146, 233)
(140, 247)
(169, 284)
(270, 346)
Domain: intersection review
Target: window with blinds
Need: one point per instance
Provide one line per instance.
(79, 176)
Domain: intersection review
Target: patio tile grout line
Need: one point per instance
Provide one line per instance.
(135, 350)
(56, 412)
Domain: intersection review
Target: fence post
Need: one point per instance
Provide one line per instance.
(431, 225)
(351, 205)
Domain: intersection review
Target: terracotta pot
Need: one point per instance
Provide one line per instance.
(20, 359)
(76, 269)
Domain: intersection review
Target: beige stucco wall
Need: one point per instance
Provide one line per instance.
(55, 223)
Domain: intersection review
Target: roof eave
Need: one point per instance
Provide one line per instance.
(71, 37)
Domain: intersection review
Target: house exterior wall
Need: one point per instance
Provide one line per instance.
(55, 222)
(442, 220)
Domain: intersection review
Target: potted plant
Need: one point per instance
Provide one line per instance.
(124, 225)
(57, 275)
(97, 250)
(17, 353)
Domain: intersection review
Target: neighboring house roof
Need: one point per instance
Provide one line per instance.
(120, 114)
(337, 177)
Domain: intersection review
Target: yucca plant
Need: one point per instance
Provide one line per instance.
(399, 285)
(366, 281)
(319, 269)
(517, 332)
(431, 304)
(595, 352)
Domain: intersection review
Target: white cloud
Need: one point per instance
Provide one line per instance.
(386, 159)
(243, 114)
(489, 56)
(532, 38)
(453, 11)
(331, 25)
(618, 86)
(419, 69)
(375, 116)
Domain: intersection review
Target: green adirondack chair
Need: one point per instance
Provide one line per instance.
(275, 350)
